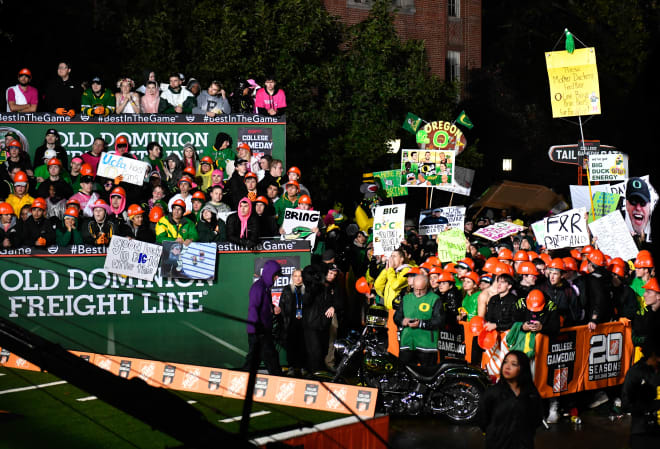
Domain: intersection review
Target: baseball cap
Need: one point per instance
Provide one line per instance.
(53, 131)
(97, 80)
(239, 161)
(637, 187)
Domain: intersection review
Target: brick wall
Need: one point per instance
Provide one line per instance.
(430, 22)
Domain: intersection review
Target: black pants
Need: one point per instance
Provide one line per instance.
(316, 346)
(295, 345)
(268, 354)
(424, 358)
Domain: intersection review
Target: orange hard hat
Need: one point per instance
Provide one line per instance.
(617, 269)
(575, 253)
(39, 203)
(535, 300)
(155, 214)
(25, 71)
(617, 261)
(608, 259)
(474, 277)
(596, 257)
(644, 259)
(305, 199)
(135, 209)
(528, 268)
(451, 268)
(6, 209)
(413, 271)
(433, 260)
(362, 286)
(118, 191)
(86, 170)
(652, 284)
(586, 250)
(505, 254)
(54, 161)
(501, 268)
(207, 160)
(583, 267)
(487, 339)
(532, 255)
(446, 276)
(199, 195)
(521, 256)
(292, 183)
(261, 199)
(71, 212)
(190, 170)
(545, 258)
(489, 266)
(295, 170)
(180, 203)
(14, 143)
(557, 263)
(121, 140)
(466, 263)
(570, 264)
(476, 324)
(435, 269)
(185, 179)
(427, 266)
(244, 146)
(20, 176)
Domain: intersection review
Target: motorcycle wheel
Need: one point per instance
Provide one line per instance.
(463, 397)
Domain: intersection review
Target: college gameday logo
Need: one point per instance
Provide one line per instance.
(605, 353)
(561, 361)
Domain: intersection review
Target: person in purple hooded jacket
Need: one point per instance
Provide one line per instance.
(260, 320)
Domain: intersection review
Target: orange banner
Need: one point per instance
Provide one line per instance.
(574, 360)
(288, 391)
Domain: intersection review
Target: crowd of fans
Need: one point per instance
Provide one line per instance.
(63, 96)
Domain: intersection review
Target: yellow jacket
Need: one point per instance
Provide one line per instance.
(18, 203)
(390, 282)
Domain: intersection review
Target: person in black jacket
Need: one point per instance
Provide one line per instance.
(98, 230)
(11, 229)
(598, 286)
(291, 330)
(538, 313)
(510, 411)
(136, 227)
(267, 222)
(242, 227)
(209, 227)
(318, 310)
(52, 142)
(641, 396)
(501, 307)
(235, 188)
(562, 294)
(37, 229)
(62, 92)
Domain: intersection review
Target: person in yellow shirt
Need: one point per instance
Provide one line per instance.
(392, 279)
(20, 197)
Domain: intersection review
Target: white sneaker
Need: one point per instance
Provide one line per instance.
(599, 398)
(553, 415)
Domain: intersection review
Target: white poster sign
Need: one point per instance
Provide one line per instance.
(613, 237)
(608, 167)
(388, 228)
(565, 230)
(463, 179)
(435, 221)
(498, 231)
(111, 165)
(130, 257)
(301, 224)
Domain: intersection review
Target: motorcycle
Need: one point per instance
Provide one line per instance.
(452, 388)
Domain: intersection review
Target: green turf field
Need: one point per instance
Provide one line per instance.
(63, 416)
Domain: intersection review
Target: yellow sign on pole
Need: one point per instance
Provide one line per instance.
(573, 82)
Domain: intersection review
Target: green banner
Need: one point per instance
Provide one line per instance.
(71, 300)
(604, 203)
(451, 245)
(390, 181)
(265, 135)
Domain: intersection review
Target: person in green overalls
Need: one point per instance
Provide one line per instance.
(420, 316)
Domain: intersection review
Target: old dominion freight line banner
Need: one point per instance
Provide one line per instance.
(265, 135)
(66, 296)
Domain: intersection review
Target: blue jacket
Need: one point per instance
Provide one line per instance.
(259, 310)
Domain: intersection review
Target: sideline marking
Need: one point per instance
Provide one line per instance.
(85, 399)
(33, 387)
(238, 418)
(216, 339)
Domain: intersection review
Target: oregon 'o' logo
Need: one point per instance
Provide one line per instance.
(424, 307)
(637, 184)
